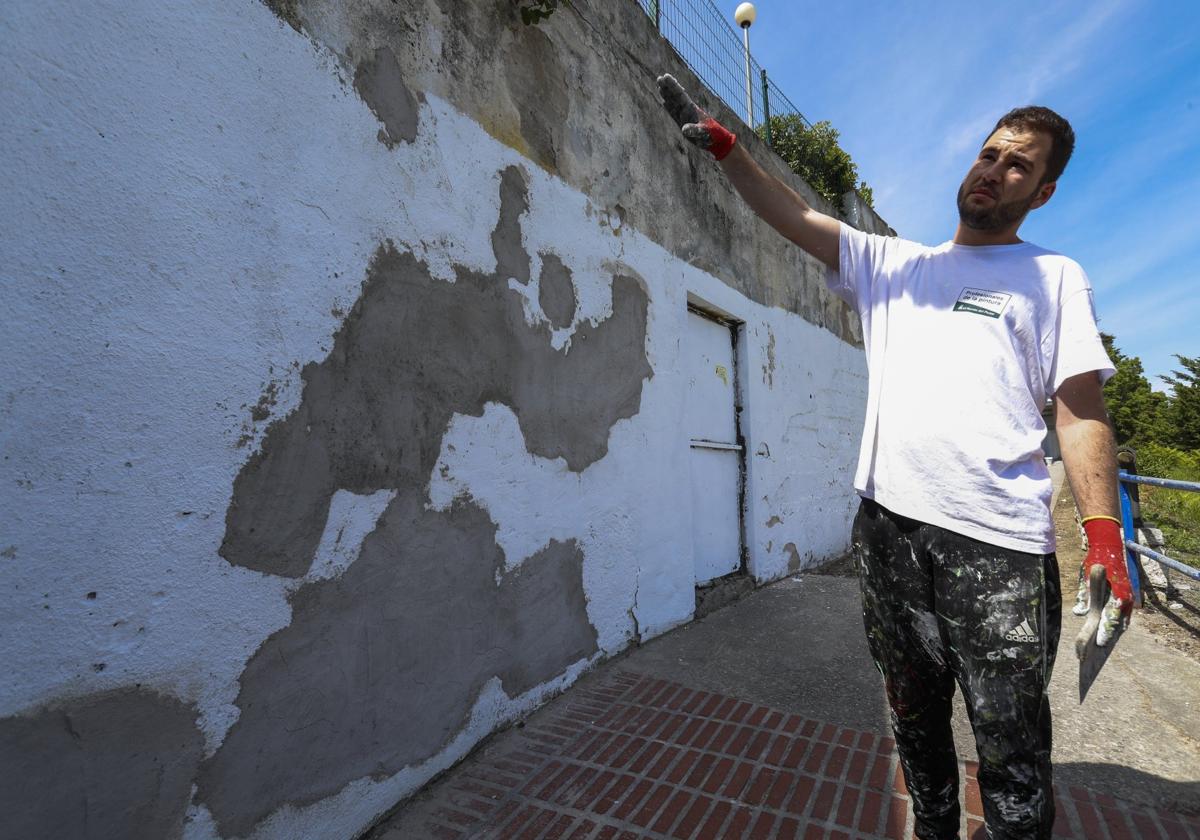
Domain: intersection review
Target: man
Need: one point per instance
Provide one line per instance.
(954, 540)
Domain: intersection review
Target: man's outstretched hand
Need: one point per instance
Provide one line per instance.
(1105, 548)
(697, 126)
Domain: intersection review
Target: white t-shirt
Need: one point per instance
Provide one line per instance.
(964, 345)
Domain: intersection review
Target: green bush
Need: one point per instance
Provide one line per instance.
(1176, 512)
(813, 153)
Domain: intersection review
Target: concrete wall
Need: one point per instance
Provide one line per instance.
(343, 393)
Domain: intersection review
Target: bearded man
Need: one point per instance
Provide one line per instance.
(965, 342)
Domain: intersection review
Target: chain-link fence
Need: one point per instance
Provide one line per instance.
(712, 47)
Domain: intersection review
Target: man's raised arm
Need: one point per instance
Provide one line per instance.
(774, 201)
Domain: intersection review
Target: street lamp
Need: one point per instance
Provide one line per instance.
(744, 16)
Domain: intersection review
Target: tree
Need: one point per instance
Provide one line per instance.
(1184, 412)
(813, 153)
(1139, 414)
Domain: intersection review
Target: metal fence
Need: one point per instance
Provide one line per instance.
(1129, 516)
(709, 43)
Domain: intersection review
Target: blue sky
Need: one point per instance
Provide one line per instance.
(914, 87)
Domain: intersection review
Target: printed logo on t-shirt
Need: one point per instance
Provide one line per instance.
(982, 302)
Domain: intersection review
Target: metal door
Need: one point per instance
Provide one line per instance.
(716, 452)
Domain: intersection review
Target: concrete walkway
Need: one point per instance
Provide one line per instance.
(767, 719)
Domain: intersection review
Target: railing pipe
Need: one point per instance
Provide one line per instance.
(1163, 559)
(1168, 483)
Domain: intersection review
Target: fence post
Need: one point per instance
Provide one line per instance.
(657, 14)
(1127, 462)
(766, 109)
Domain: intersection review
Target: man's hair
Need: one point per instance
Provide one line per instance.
(1037, 118)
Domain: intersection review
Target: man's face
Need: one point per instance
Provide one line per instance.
(1004, 183)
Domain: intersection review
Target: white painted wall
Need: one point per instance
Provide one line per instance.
(191, 191)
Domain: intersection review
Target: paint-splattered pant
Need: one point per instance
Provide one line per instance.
(940, 607)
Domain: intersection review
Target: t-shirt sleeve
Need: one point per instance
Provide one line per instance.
(1077, 346)
(857, 259)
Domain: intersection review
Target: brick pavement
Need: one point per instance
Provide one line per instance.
(638, 757)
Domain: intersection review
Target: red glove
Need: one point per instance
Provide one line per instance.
(697, 126)
(1105, 548)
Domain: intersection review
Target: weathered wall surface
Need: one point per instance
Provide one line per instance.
(343, 395)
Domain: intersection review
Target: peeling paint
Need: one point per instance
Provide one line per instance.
(413, 352)
(360, 685)
(380, 83)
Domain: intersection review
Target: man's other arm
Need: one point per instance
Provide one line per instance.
(1089, 450)
(774, 201)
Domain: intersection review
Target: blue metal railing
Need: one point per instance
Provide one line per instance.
(1133, 547)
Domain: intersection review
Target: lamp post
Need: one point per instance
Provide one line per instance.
(744, 16)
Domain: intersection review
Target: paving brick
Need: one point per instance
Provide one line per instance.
(720, 741)
(644, 815)
(868, 820)
(777, 749)
(700, 771)
(757, 745)
(652, 751)
(718, 775)
(780, 789)
(592, 792)
(878, 777)
(740, 712)
(739, 823)
(788, 829)
(856, 773)
(1146, 828)
(761, 830)
(559, 828)
(706, 734)
(710, 705)
(613, 794)
(683, 766)
(896, 822)
(671, 812)
(974, 799)
(847, 807)
(795, 754)
(714, 823)
(659, 768)
(823, 801)
(816, 757)
(757, 715)
(737, 780)
(692, 818)
(802, 795)
(640, 790)
(837, 761)
(759, 787)
(583, 830)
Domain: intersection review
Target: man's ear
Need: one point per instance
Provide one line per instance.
(1043, 194)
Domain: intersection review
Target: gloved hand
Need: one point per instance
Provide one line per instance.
(1105, 548)
(697, 126)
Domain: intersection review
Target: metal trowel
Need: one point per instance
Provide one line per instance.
(1091, 656)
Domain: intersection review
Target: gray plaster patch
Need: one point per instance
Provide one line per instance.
(556, 291)
(380, 83)
(512, 260)
(413, 352)
(112, 765)
(537, 83)
(380, 668)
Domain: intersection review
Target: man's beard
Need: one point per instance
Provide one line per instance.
(998, 217)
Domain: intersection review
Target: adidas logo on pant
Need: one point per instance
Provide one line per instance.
(1022, 633)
